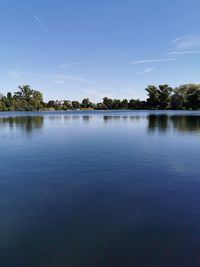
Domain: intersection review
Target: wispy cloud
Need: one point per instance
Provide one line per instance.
(147, 70)
(186, 42)
(61, 81)
(183, 52)
(63, 66)
(115, 93)
(41, 24)
(57, 78)
(143, 61)
(61, 78)
(24, 74)
(14, 74)
(100, 93)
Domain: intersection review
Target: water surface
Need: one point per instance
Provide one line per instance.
(100, 189)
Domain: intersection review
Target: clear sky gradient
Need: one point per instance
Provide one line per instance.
(87, 48)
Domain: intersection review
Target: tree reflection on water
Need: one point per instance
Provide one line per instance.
(181, 123)
(155, 122)
(27, 123)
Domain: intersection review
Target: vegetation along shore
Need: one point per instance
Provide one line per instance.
(183, 97)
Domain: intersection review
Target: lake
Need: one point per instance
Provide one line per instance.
(100, 189)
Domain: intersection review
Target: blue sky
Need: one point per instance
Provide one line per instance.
(75, 49)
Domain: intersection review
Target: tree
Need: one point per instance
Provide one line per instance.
(164, 94)
(136, 104)
(153, 96)
(116, 104)
(101, 106)
(193, 96)
(177, 100)
(26, 99)
(9, 95)
(85, 103)
(188, 96)
(124, 104)
(51, 104)
(76, 105)
(108, 102)
(25, 92)
(158, 97)
(36, 100)
(2, 105)
(67, 105)
(92, 105)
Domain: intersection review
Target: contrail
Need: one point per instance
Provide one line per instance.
(41, 24)
(152, 60)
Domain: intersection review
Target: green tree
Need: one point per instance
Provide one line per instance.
(36, 100)
(85, 103)
(136, 104)
(153, 96)
(101, 106)
(2, 105)
(164, 94)
(108, 102)
(124, 104)
(76, 105)
(67, 105)
(27, 99)
(177, 101)
(9, 95)
(24, 92)
(116, 104)
(193, 96)
(188, 96)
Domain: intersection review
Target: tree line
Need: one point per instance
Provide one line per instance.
(183, 97)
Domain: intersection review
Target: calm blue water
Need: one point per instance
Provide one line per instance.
(100, 189)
